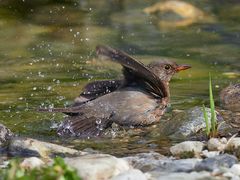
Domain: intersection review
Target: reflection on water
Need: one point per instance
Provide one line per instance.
(47, 56)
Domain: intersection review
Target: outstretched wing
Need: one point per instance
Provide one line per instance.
(96, 89)
(136, 69)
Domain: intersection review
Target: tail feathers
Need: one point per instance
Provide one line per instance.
(68, 111)
(82, 126)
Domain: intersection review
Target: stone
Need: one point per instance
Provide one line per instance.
(132, 174)
(235, 169)
(230, 97)
(233, 144)
(215, 144)
(181, 149)
(182, 176)
(147, 161)
(5, 134)
(216, 162)
(206, 153)
(31, 163)
(27, 147)
(98, 166)
(187, 124)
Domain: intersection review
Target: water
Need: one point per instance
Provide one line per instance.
(48, 55)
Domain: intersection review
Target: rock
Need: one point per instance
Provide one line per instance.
(27, 147)
(189, 14)
(183, 176)
(235, 169)
(31, 163)
(216, 162)
(132, 174)
(233, 144)
(215, 144)
(230, 97)
(147, 161)
(206, 153)
(186, 124)
(98, 166)
(187, 148)
(5, 134)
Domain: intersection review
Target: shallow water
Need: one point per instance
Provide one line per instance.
(47, 56)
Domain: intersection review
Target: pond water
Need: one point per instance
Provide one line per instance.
(47, 54)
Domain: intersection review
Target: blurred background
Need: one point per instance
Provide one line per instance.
(47, 54)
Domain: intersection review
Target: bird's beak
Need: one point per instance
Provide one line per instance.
(182, 67)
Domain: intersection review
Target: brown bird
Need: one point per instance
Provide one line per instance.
(140, 99)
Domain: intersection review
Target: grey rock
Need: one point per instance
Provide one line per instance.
(216, 162)
(147, 162)
(27, 147)
(5, 134)
(186, 176)
(195, 147)
(98, 166)
(132, 174)
(186, 124)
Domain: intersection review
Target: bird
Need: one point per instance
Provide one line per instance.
(137, 100)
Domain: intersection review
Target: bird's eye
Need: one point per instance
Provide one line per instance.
(167, 67)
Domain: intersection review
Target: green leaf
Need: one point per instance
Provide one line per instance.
(207, 130)
(212, 106)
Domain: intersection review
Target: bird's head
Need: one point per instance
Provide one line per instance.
(166, 69)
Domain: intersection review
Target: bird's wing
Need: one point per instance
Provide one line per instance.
(96, 89)
(136, 69)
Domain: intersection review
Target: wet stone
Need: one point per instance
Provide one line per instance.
(5, 134)
(230, 97)
(186, 124)
(216, 162)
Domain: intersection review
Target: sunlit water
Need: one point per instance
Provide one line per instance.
(47, 54)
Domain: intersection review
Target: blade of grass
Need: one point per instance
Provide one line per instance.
(206, 120)
(212, 106)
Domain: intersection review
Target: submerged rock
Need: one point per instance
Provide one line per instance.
(185, 14)
(186, 124)
(5, 134)
(98, 166)
(187, 149)
(230, 98)
(27, 147)
(216, 162)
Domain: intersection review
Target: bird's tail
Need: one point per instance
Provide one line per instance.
(83, 126)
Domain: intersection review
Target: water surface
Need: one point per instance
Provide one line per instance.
(48, 55)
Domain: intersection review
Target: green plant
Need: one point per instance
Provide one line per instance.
(57, 171)
(211, 131)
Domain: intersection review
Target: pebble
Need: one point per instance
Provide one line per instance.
(194, 147)
(133, 174)
(31, 163)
